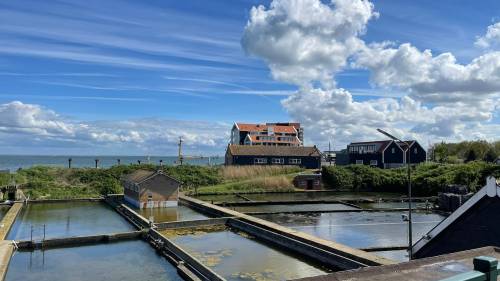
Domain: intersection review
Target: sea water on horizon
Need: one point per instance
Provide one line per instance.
(14, 162)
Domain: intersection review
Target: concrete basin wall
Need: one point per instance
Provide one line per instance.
(352, 258)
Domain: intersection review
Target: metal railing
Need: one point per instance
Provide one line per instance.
(485, 269)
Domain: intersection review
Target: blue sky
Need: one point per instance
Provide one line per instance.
(104, 61)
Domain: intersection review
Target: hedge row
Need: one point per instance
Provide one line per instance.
(427, 179)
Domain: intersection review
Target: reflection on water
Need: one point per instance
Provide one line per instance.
(67, 219)
(359, 229)
(292, 208)
(237, 256)
(400, 255)
(393, 205)
(124, 261)
(179, 213)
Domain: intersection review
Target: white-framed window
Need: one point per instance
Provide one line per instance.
(359, 162)
(373, 163)
(393, 150)
(260, 160)
(278, 161)
(415, 150)
(294, 161)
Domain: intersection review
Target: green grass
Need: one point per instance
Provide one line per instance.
(42, 182)
(259, 184)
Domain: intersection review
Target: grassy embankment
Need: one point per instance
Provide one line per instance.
(44, 182)
(244, 179)
(427, 179)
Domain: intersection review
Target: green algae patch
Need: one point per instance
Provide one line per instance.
(194, 232)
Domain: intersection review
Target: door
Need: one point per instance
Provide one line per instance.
(309, 184)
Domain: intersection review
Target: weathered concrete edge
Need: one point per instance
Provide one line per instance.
(37, 201)
(6, 250)
(290, 244)
(337, 248)
(368, 272)
(190, 223)
(9, 219)
(284, 202)
(387, 248)
(337, 211)
(79, 240)
(130, 215)
(162, 243)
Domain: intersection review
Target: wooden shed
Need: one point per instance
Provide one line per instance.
(151, 189)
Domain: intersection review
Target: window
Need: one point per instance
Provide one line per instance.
(150, 196)
(260, 160)
(294, 161)
(359, 162)
(373, 162)
(278, 161)
(393, 150)
(415, 150)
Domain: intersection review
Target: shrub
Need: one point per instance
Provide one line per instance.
(427, 179)
(338, 177)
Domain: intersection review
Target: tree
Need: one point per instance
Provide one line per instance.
(470, 155)
(440, 152)
(490, 155)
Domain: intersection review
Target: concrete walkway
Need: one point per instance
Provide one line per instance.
(8, 220)
(6, 250)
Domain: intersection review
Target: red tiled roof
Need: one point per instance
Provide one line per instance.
(263, 127)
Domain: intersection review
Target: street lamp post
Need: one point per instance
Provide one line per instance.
(408, 162)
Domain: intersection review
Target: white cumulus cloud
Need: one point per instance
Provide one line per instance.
(307, 42)
(29, 125)
(491, 38)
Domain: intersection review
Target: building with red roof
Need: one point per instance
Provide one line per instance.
(268, 134)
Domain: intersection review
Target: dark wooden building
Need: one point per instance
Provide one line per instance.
(385, 154)
(474, 224)
(307, 157)
(150, 189)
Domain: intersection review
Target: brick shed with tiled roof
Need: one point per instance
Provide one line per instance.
(150, 189)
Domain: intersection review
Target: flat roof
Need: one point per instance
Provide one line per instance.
(426, 269)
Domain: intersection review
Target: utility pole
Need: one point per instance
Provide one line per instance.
(96, 162)
(69, 163)
(180, 158)
(329, 153)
